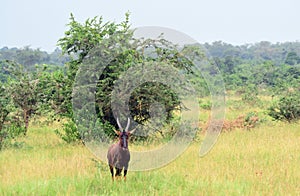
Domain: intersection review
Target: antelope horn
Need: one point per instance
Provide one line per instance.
(132, 131)
(128, 123)
(120, 127)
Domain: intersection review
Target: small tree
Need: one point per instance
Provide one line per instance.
(25, 92)
(10, 125)
(4, 111)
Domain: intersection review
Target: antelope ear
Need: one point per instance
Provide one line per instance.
(132, 131)
(117, 132)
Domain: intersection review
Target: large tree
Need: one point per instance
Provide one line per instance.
(81, 39)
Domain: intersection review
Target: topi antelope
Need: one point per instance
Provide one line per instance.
(118, 154)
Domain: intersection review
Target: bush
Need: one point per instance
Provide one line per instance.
(206, 105)
(10, 132)
(250, 95)
(287, 108)
(69, 133)
(81, 133)
(251, 120)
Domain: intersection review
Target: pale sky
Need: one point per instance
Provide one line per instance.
(40, 23)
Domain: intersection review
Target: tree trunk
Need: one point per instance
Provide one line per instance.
(26, 120)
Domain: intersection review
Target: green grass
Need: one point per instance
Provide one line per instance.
(263, 161)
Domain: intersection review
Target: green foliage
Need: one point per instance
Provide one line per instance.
(254, 53)
(81, 39)
(287, 108)
(4, 70)
(149, 93)
(11, 129)
(69, 132)
(29, 93)
(5, 107)
(24, 91)
(250, 95)
(205, 104)
(14, 128)
(30, 57)
(55, 93)
(292, 58)
(10, 124)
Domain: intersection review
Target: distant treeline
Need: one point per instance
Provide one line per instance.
(29, 57)
(279, 53)
(261, 65)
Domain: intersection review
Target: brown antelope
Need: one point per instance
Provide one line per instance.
(118, 154)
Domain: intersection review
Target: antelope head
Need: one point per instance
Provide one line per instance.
(124, 133)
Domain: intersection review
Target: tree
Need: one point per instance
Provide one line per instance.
(4, 72)
(10, 124)
(292, 58)
(229, 64)
(4, 110)
(25, 91)
(81, 39)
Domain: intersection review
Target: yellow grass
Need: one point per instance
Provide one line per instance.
(263, 161)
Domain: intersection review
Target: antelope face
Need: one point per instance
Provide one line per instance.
(124, 139)
(124, 134)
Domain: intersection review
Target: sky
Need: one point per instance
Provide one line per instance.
(40, 23)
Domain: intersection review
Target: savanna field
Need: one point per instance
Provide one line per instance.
(263, 160)
(100, 71)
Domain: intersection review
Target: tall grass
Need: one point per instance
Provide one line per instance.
(262, 161)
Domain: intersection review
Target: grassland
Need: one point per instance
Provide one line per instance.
(262, 161)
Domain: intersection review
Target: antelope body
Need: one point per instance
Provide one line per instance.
(118, 154)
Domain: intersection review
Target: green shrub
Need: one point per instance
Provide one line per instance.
(206, 105)
(69, 133)
(250, 96)
(10, 132)
(287, 108)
